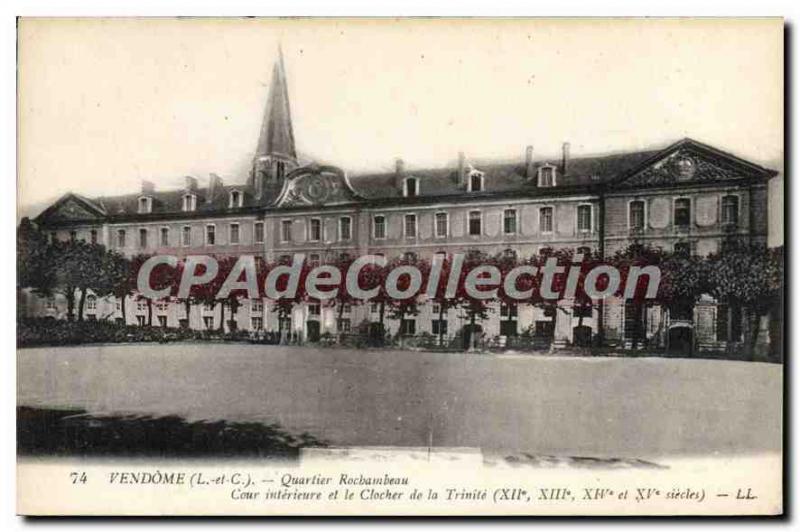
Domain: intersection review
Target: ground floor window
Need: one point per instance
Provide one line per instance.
(162, 321)
(343, 325)
(208, 322)
(544, 328)
(508, 327)
(408, 327)
(140, 320)
(729, 323)
(635, 317)
(439, 327)
(256, 323)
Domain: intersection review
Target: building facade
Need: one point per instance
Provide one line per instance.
(687, 197)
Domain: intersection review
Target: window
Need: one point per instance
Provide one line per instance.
(408, 327)
(586, 251)
(411, 187)
(508, 311)
(165, 236)
(344, 228)
(683, 249)
(509, 254)
(546, 219)
(211, 235)
(93, 236)
(510, 221)
(73, 236)
(379, 226)
(256, 323)
(208, 322)
(682, 212)
(280, 169)
(258, 232)
(441, 224)
(145, 205)
(439, 327)
(235, 199)
(547, 176)
(234, 233)
(730, 210)
(436, 308)
(313, 309)
(141, 306)
(476, 182)
(315, 229)
(343, 325)
(729, 323)
(410, 256)
(91, 303)
(142, 238)
(410, 226)
(286, 230)
(140, 320)
(636, 215)
(162, 321)
(162, 306)
(313, 260)
(256, 305)
(440, 256)
(584, 218)
(186, 236)
(475, 223)
(189, 202)
(374, 308)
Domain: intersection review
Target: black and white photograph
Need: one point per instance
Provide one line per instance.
(400, 266)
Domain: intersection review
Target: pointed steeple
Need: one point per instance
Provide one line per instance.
(276, 139)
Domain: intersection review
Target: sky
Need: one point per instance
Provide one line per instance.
(106, 103)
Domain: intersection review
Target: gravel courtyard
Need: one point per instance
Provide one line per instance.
(604, 407)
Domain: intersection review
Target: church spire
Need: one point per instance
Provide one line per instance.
(277, 137)
(275, 154)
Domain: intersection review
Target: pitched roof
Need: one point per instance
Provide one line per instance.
(504, 176)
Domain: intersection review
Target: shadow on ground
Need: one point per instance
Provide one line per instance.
(76, 432)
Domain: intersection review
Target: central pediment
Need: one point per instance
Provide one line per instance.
(688, 162)
(316, 186)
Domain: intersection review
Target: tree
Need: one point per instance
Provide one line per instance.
(441, 298)
(401, 308)
(749, 276)
(476, 309)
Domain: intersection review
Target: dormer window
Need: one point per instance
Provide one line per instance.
(236, 199)
(411, 187)
(189, 202)
(145, 205)
(475, 183)
(547, 176)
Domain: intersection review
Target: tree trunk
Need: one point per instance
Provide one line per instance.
(188, 305)
(400, 335)
(755, 325)
(222, 316)
(149, 312)
(70, 295)
(472, 336)
(122, 308)
(339, 320)
(441, 331)
(81, 302)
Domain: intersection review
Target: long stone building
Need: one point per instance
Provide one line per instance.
(687, 197)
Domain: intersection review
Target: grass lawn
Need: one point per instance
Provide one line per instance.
(605, 407)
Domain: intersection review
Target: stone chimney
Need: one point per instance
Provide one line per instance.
(529, 170)
(191, 183)
(462, 169)
(565, 158)
(148, 187)
(214, 187)
(399, 173)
